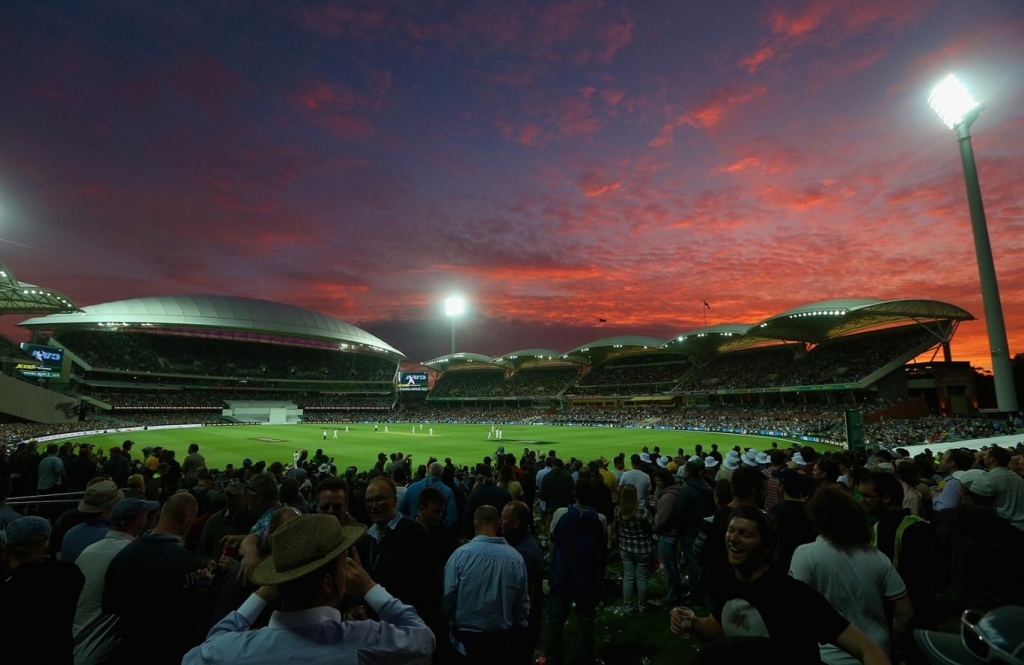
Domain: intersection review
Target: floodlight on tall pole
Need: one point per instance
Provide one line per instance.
(453, 307)
(955, 105)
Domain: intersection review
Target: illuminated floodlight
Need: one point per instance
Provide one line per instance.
(454, 306)
(952, 102)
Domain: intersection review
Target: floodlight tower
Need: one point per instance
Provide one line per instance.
(959, 109)
(453, 307)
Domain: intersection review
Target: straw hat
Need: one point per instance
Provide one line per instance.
(302, 545)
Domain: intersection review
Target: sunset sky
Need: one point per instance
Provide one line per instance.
(553, 162)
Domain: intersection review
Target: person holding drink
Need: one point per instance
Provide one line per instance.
(765, 614)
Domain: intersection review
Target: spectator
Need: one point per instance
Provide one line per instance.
(747, 485)
(635, 529)
(398, 553)
(7, 514)
(1009, 486)
(956, 462)
(508, 482)
(668, 532)
(843, 567)
(52, 475)
(235, 519)
(193, 462)
(311, 574)
(39, 595)
(118, 466)
(516, 519)
(556, 488)
(757, 606)
(485, 493)
(576, 574)
(94, 633)
(696, 501)
(409, 503)
(157, 565)
(484, 622)
(971, 539)
(82, 469)
(445, 539)
(790, 515)
(637, 477)
(905, 538)
(99, 500)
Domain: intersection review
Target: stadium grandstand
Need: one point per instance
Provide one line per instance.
(194, 355)
(833, 352)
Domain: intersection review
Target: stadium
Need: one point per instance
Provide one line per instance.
(266, 389)
(218, 360)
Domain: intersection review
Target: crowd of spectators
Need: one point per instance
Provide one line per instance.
(247, 560)
(632, 374)
(492, 383)
(184, 355)
(843, 360)
(130, 400)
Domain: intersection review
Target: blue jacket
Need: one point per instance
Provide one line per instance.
(577, 564)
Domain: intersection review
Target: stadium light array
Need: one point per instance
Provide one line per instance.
(454, 306)
(956, 107)
(952, 102)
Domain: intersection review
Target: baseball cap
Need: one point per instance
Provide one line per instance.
(984, 638)
(100, 496)
(983, 485)
(247, 461)
(968, 477)
(26, 530)
(131, 508)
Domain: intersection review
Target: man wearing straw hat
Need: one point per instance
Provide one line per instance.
(311, 572)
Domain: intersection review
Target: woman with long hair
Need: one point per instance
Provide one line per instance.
(635, 528)
(507, 481)
(852, 575)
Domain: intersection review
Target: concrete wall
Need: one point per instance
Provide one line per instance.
(36, 404)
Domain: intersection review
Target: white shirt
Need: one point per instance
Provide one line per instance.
(93, 562)
(857, 582)
(638, 479)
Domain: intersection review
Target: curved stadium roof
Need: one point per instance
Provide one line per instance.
(819, 321)
(814, 323)
(23, 298)
(216, 312)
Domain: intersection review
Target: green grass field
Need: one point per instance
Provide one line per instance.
(465, 444)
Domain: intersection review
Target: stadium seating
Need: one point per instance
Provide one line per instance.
(196, 356)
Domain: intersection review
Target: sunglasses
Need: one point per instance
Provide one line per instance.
(975, 642)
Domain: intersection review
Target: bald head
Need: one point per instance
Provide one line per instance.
(485, 521)
(177, 514)
(435, 470)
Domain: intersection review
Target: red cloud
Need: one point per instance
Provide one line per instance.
(829, 21)
(712, 111)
